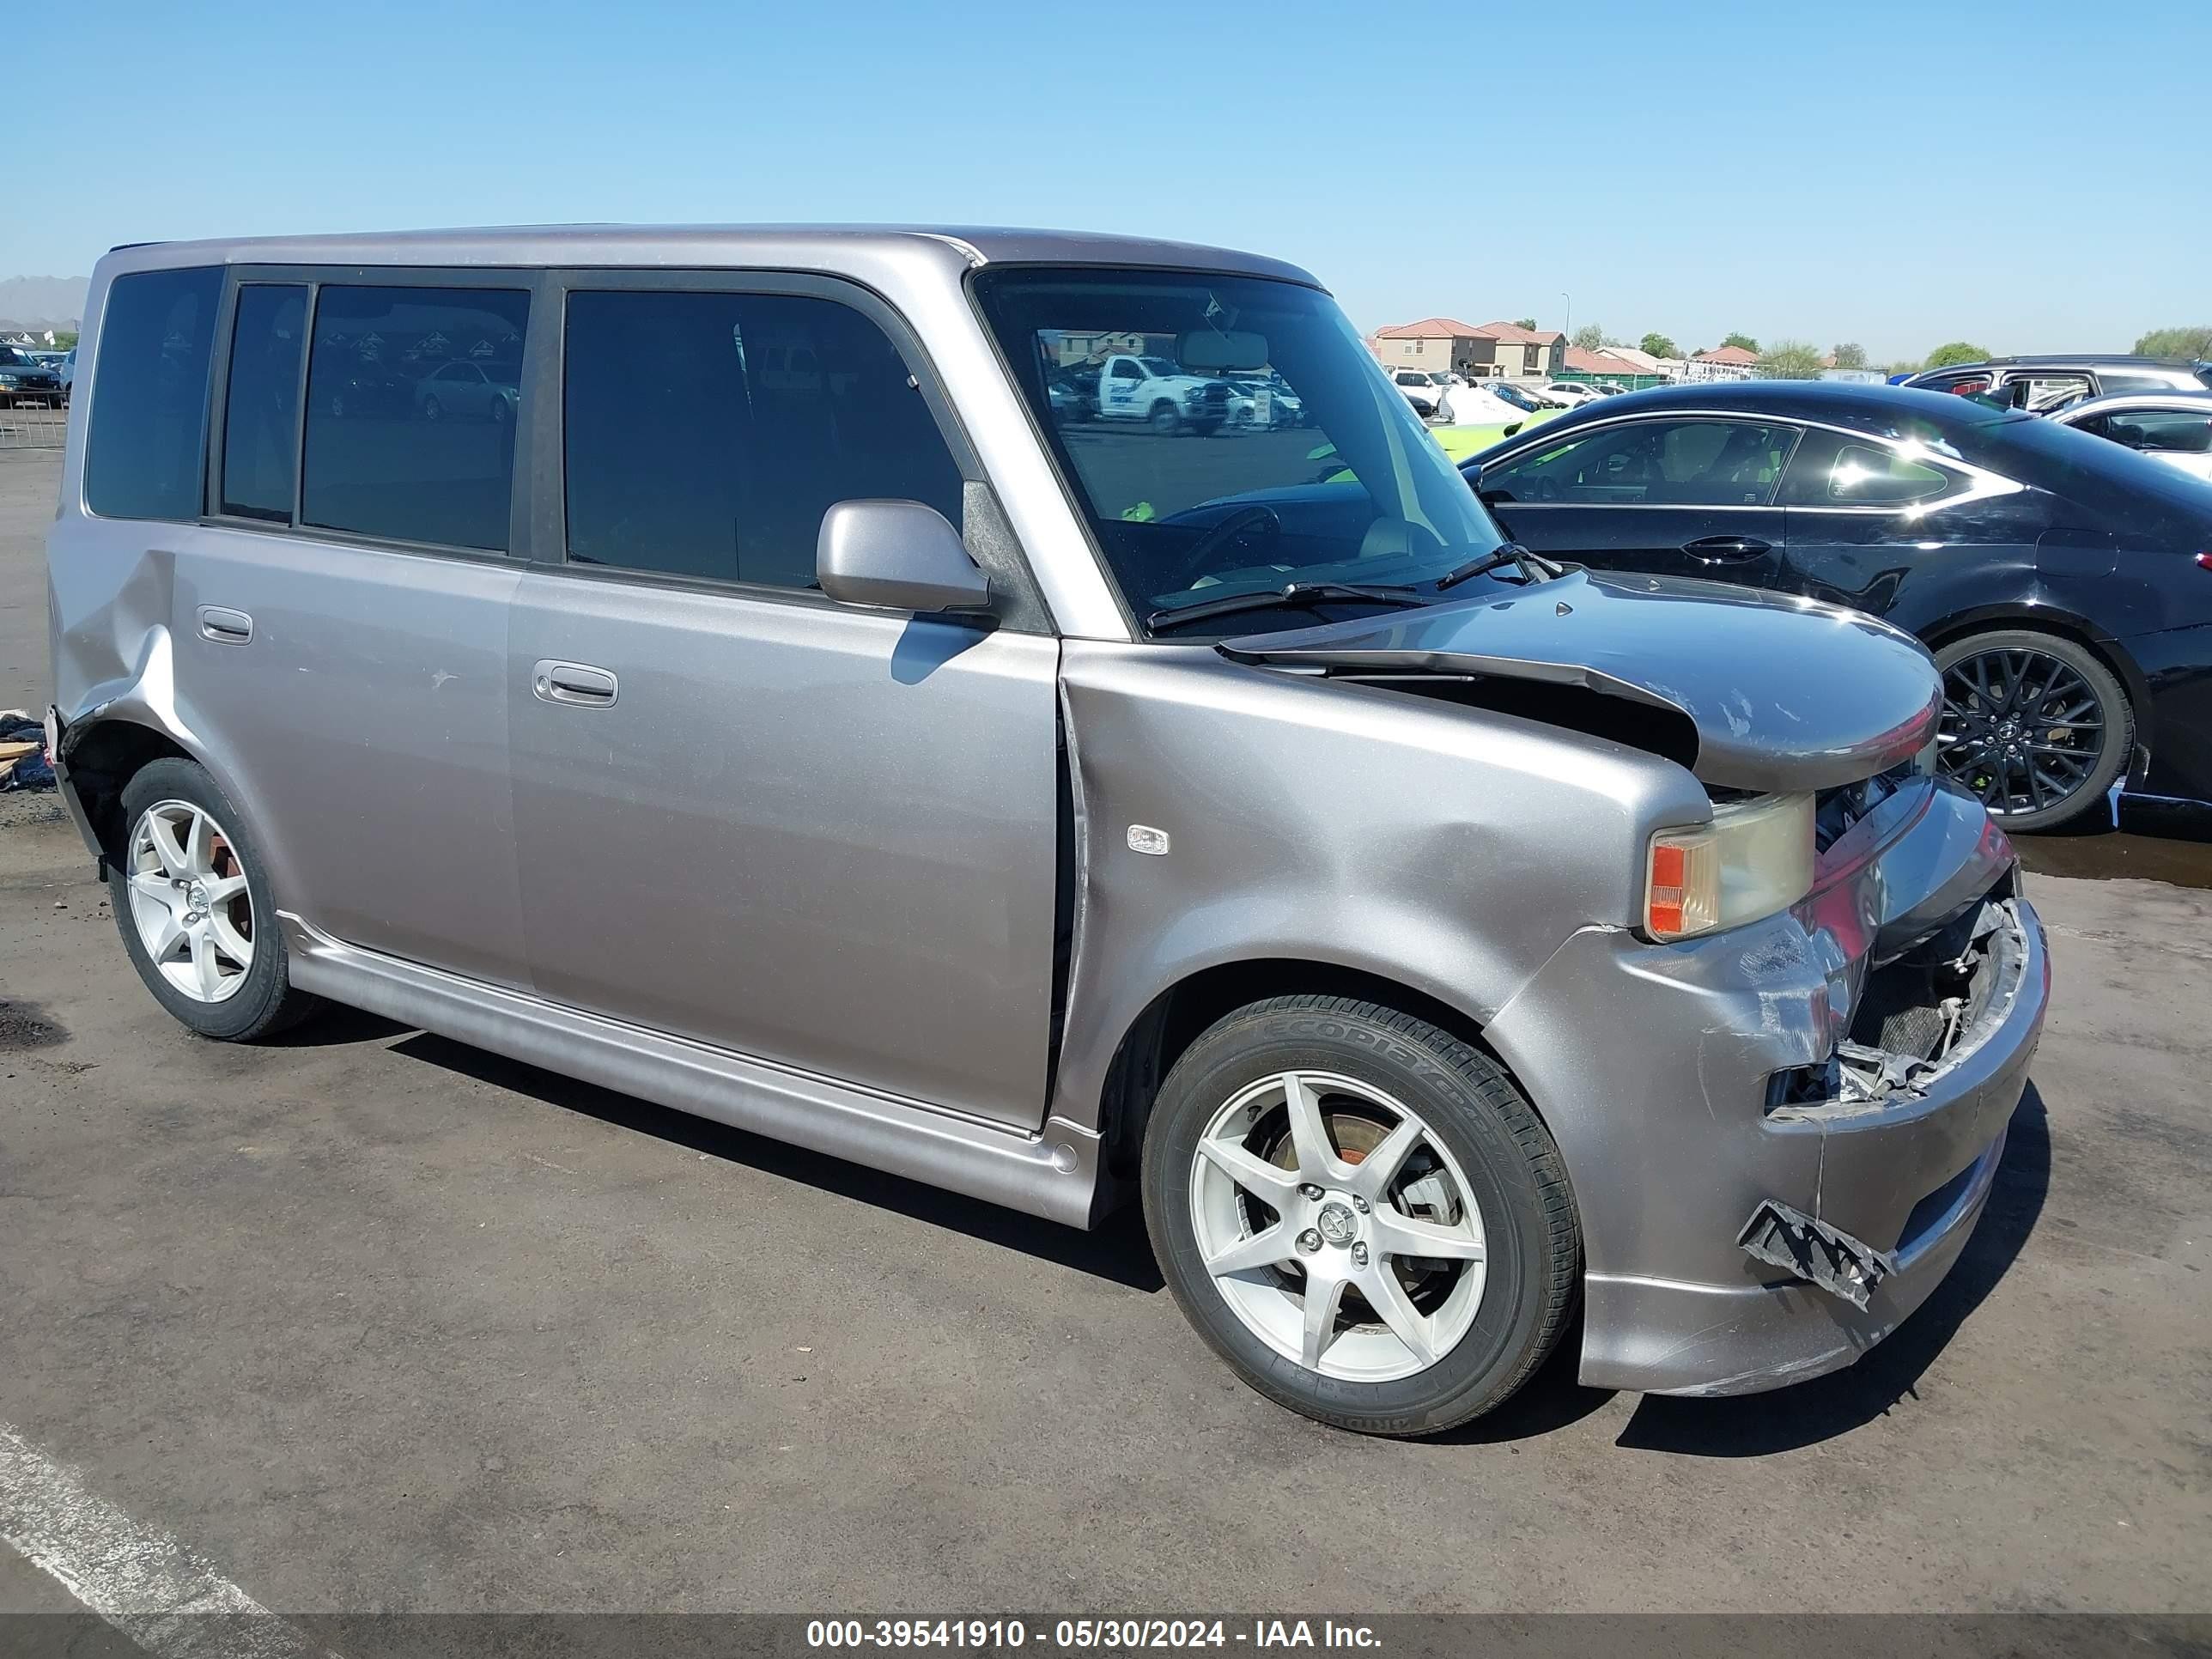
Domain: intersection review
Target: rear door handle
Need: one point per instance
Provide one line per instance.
(1726, 549)
(225, 626)
(572, 683)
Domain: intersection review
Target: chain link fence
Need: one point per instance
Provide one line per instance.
(33, 428)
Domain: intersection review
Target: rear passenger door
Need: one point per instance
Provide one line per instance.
(342, 609)
(818, 835)
(1666, 495)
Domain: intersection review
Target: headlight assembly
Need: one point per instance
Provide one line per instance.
(1754, 858)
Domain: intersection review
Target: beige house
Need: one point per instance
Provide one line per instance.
(1491, 351)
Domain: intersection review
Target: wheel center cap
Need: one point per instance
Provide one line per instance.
(1336, 1223)
(198, 896)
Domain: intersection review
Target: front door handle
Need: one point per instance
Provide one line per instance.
(225, 626)
(572, 683)
(1726, 549)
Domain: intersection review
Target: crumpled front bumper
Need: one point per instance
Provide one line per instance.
(1673, 1077)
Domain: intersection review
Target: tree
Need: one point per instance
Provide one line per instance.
(1743, 340)
(1790, 359)
(1851, 355)
(2193, 343)
(1656, 344)
(1957, 351)
(1526, 322)
(1590, 337)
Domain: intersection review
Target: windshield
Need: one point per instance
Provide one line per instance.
(9, 356)
(1189, 505)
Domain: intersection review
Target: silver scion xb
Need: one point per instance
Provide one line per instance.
(794, 692)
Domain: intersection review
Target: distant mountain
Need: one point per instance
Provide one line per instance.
(42, 302)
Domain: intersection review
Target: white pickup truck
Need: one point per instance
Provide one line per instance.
(1161, 393)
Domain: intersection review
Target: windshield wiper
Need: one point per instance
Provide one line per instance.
(1291, 594)
(1532, 567)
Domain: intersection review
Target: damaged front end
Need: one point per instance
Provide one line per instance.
(1814, 1109)
(1920, 1018)
(1916, 1017)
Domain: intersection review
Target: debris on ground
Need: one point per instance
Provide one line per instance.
(23, 762)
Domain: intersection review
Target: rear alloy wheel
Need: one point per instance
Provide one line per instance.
(2034, 726)
(1360, 1213)
(191, 900)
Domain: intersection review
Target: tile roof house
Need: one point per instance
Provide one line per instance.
(1487, 351)
(1721, 363)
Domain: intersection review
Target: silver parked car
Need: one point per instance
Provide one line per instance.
(2172, 426)
(799, 718)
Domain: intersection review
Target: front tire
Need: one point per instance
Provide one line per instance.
(2034, 725)
(1360, 1213)
(1166, 418)
(193, 899)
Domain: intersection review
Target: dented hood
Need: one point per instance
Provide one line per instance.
(1785, 693)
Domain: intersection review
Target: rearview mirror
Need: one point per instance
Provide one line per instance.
(1222, 352)
(900, 555)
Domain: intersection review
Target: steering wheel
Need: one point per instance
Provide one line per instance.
(1544, 489)
(1245, 521)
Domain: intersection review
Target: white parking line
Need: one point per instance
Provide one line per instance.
(168, 1601)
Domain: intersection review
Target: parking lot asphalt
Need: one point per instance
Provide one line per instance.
(374, 1321)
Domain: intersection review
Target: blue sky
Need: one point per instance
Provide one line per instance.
(2028, 176)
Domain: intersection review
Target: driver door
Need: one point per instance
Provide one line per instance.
(820, 834)
(1667, 496)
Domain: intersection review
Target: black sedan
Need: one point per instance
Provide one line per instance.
(2064, 584)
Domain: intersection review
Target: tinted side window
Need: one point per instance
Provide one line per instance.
(2163, 431)
(1834, 470)
(1651, 463)
(396, 449)
(149, 395)
(706, 433)
(261, 414)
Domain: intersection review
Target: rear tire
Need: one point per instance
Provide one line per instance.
(2005, 736)
(162, 878)
(1458, 1166)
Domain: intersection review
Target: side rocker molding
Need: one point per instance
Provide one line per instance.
(1050, 1174)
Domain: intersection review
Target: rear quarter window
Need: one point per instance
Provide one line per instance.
(148, 436)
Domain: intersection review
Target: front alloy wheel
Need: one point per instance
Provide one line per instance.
(2032, 725)
(1361, 1213)
(1340, 1233)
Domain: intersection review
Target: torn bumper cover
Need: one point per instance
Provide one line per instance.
(1816, 1252)
(1793, 1150)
